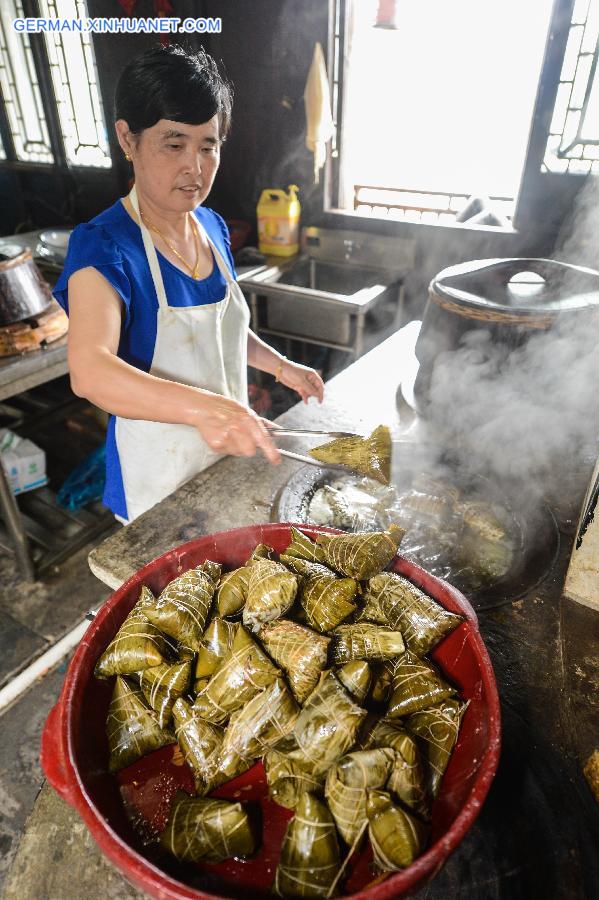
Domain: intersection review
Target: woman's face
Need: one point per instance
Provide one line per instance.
(174, 163)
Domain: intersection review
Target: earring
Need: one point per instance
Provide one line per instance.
(127, 157)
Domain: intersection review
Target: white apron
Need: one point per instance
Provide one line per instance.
(203, 346)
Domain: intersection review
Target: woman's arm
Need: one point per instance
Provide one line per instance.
(307, 382)
(95, 320)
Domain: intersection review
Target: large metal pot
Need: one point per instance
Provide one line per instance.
(75, 751)
(23, 291)
(508, 299)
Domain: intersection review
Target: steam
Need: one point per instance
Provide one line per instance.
(530, 413)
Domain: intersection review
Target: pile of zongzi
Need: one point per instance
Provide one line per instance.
(312, 662)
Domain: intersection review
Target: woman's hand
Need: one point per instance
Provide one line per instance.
(230, 427)
(307, 382)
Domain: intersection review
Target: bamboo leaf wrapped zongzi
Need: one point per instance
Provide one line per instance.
(365, 641)
(397, 837)
(162, 685)
(271, 592)
(422, 621)
(137, 644)
(327, 600)
(212, 569)
(203, 829)
(382, 679)
(407, 778)
(361, 555)
(416, 685)
(287, 773)
(369, 456)
(301, 653)
(132, 727)
(347, 785)
(328, 724)
(232, 591)
(183, 606)
(355, 677)
(243, 672)
(216, 643)
(309, 858)
(306, 567)
(302, 547)
(201, 743)
(371, 612)
(436, 729)
(268, 717)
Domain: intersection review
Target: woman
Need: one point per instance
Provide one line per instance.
(158, 332)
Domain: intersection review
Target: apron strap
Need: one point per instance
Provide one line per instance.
(224, 268)
(150, 253)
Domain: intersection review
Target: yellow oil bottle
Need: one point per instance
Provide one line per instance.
(278, 216)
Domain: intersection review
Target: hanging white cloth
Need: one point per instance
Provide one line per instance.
(203, 346)
(319, 120)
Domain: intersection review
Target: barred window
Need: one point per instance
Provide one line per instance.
(65, 64)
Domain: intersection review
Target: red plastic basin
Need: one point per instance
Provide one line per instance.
(74, 752)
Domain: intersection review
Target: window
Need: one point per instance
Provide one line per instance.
(435, 108)
(64, 63)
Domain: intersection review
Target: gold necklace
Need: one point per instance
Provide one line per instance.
(192, 269)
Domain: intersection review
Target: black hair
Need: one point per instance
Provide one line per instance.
(173, 83)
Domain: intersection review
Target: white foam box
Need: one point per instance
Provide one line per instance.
(24, 462)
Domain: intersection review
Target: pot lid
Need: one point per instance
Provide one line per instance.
(525, 285)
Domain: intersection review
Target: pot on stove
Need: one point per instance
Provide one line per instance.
(508, 299)
(23, 291)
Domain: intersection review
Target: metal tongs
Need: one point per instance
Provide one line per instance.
(299, 457)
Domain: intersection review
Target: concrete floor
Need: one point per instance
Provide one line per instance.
(33, 617)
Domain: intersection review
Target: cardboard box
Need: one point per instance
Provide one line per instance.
(24, 463)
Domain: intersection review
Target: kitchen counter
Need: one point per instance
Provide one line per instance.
(538, 833)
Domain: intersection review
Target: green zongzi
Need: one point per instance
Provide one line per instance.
(309, 858)
(244, 671)
(347, 785)
(271, 592)
(137, 644)
(183, 606)
(361, 555)
(369, 456)
(132, 727)
(162, 685)
(301, 653)
(397, 837)
(416, 685)
(202, 829)
(421, 620)
(365, 641)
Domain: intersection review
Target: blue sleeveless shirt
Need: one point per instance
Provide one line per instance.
(112, 244)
